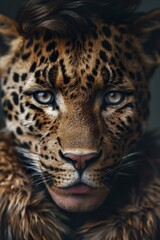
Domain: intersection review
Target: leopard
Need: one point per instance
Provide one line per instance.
(76, 160)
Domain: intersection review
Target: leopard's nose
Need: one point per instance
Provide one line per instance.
(80, 161)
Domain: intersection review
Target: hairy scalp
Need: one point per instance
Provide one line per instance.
(66, 17)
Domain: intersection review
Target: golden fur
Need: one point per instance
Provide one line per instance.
(82, 66)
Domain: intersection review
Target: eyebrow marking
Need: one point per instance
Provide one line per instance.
(52, 75)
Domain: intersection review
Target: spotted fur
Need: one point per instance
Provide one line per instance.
(79, 69)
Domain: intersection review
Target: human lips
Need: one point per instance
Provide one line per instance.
(79, 188)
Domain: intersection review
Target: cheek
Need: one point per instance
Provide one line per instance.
(37, 120)
(120, 122)
(124, 127)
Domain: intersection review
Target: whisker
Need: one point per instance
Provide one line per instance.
(37, 183)
(134, 154)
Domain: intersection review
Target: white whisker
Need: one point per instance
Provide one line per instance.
(132, 155)
(32, 159)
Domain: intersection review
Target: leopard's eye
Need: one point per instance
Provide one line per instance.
(44, 97)
(114, 97)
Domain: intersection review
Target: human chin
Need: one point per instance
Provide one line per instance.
(82, 200)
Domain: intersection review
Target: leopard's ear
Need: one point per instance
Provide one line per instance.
(10, 41)
(147, 29)
(8, 33)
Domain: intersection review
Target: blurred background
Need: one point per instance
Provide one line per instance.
(9, 8)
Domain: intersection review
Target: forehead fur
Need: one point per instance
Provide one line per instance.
(83, 65)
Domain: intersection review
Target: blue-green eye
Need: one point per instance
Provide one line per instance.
(44, 97)
(114, 97)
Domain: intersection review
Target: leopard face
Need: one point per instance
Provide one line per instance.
(78, 106)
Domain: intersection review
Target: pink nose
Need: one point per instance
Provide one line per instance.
(81, 161)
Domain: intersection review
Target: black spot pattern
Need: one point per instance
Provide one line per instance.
(52, 74)
(105, 75)
(8, 104)
(21, 108)
(24, 76)
(16, 77)
(42, 60)
(90, 78)
(66, 79)
(107, 46)
(19, 131)
(103, 56)
(54, 56)
(15, 98)
(51, 46)
(37, 74)
(26, 56)
(33, 67)
(36, 47)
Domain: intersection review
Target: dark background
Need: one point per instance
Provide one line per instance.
(9, 8)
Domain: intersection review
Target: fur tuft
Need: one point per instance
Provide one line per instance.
(65, 17)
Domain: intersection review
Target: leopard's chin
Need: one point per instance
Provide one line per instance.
(78, 198)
